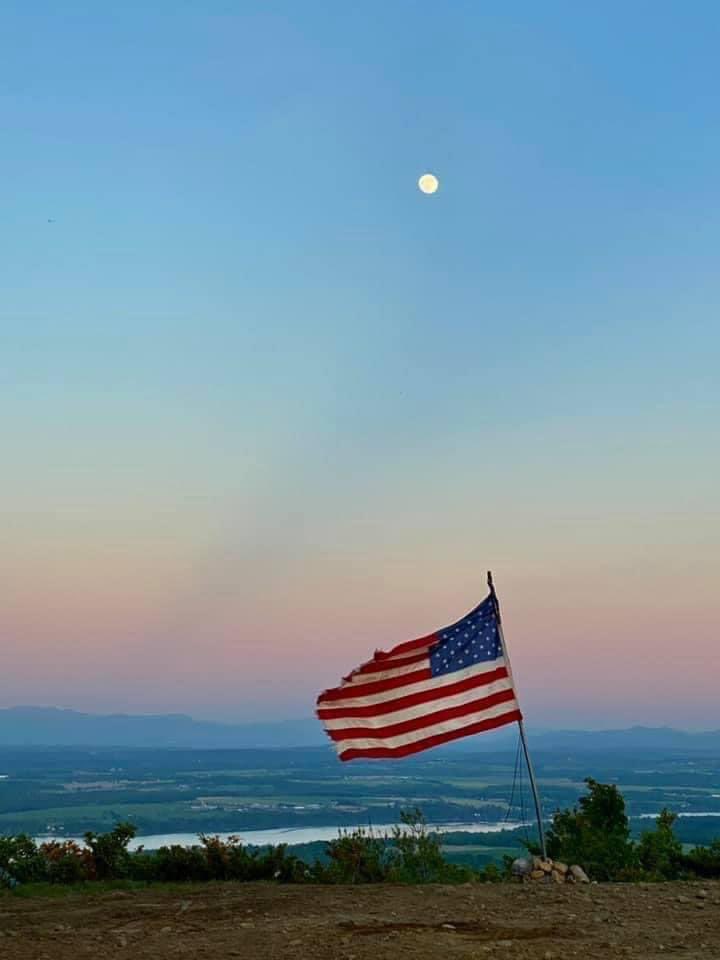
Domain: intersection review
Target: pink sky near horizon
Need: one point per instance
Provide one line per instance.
(599, 635)
(266, 407)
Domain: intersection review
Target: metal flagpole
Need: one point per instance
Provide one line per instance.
(523, 739)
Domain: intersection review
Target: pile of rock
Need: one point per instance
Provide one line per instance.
(537, 870)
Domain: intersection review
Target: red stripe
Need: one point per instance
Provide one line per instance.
(376, 666)
(412, 699)
(426, 720)
(378, 686)
(409, 646)
(387, 753)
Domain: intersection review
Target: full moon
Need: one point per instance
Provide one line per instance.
(428, 183)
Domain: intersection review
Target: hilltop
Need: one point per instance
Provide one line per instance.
(265, 921)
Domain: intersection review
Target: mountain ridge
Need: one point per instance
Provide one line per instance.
(55, 726)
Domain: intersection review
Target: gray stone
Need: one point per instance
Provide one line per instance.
(522, 867)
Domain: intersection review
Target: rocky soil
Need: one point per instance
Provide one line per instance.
(264, 921)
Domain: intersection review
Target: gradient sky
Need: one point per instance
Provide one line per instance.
(266, 407)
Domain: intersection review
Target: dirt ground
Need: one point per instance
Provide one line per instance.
(506, 922)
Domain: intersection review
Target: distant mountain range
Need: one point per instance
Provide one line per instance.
(51, 726)
(630, 738)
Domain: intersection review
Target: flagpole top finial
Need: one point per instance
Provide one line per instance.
(490, 579)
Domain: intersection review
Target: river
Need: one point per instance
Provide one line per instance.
(291, 834)
(311, 834)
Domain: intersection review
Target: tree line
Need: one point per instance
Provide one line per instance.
(594, 834)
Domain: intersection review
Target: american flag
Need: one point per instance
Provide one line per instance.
(449, 684)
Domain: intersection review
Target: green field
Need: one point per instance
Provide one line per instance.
(69, 791)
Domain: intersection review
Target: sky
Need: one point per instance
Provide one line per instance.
(265, 407)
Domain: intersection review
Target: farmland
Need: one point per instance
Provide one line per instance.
(66, 791)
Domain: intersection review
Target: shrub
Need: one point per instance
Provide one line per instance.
(231, 860)
(66, 862)
(21, 860)
(109, 853)
(174, 864)
(411, 855)
(596, 836)
(277, 864)
(358, 856)
(219, 854)
(659, 851)
(492, 873)
(417, 857)
(704, 861)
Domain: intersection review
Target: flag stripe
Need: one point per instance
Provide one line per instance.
(422, 705)
(411, 646)
(377, 666)
(420, 720)
(346, 697)
(378, 686)
(386, 671)
(443, 726)
(355, 752)
(425, 694)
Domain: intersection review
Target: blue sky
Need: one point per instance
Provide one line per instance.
(259, 392)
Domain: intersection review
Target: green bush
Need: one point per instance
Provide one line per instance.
(704, 861)
(66, 862)
(596, 835)
(231, 860)
(174, 864)
(659, 851)
(416, 856)
(109, 851)
(412, 855)
(492, 873)
(357, 856)
(277, 864)
(21, 860)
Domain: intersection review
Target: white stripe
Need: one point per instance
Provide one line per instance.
(420, 709)
(447, 726)
(356, 678)
(431, 683)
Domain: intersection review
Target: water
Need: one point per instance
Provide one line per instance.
(311, 834)
(292, 834)
(703, 813)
